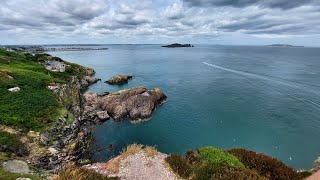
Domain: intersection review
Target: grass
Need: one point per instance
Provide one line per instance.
(217, 156)
(34, 106)
(72, 172)
(12, 144)
(5, 175)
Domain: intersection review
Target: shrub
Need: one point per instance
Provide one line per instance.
(266, 166)
(72, 172)
(223, 172)
(179, 165)
(214, 155)
(193, 158)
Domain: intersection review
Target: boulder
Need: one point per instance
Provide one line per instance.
(16, 166)
(120, 79)
(14, 89)
(103, 115)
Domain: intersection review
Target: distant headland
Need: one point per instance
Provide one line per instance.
(284, 45)
(176, 45)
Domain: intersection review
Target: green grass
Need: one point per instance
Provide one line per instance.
(9, 139)
(5, 175)
(217, 156)
(34, 105)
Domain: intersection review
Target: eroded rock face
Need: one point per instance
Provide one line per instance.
(135, 103)
(120, 79)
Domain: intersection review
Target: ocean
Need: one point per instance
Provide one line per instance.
(266, 99)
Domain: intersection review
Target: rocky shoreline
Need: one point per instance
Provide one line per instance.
(70, 143)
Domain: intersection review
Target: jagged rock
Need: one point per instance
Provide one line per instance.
(88, 80)
(16, 166)
(53, 150)
(14, 89)
(135, 103)
(316, 165)
(45, 137)
(89, 72)
(103, 93)
(103, 115)
(120, 79)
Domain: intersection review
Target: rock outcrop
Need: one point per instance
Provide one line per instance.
(120, 79)
(135, 104)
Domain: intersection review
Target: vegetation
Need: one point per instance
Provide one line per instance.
(5, 175)
(217, 156)
(10, 143)
(34, 106)
(13, 176)
(72, 172)
(213, 163)
(266, 166)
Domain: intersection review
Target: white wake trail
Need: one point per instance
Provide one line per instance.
(314, 104)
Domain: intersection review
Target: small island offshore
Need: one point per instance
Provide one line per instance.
(283, 45)
(47, 120)
(177, 45)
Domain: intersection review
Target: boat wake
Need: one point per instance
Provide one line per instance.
(257, 76)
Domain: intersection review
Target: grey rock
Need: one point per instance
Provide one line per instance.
(120, 79)
(103, 115)
(16, 166)
(20, 178)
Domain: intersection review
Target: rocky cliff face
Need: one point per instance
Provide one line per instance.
(68, 142)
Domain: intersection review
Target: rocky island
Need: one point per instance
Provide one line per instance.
(177, 45)
(283, 45)
(120, 79)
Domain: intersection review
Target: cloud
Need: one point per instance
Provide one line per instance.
(158, 19)
(282, 4)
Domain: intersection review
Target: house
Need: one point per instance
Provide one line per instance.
(55, 66)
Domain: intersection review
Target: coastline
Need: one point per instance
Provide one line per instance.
(69, 143)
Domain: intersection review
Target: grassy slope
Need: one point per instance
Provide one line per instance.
(34, 105)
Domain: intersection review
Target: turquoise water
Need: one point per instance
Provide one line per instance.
(266, 99)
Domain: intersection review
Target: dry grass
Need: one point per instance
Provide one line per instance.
(114, 164)
(72, 172)
(151, 151)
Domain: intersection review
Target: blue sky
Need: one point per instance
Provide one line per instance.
(242, 22)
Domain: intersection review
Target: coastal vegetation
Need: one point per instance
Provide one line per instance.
(213, 163)
(34, 107)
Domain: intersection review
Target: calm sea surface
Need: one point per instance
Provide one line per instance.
(266, 99)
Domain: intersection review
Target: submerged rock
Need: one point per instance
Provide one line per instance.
(120, 79)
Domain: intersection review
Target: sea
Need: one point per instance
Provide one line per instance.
(262, 98)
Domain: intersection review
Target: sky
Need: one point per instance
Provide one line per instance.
(228, 22)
